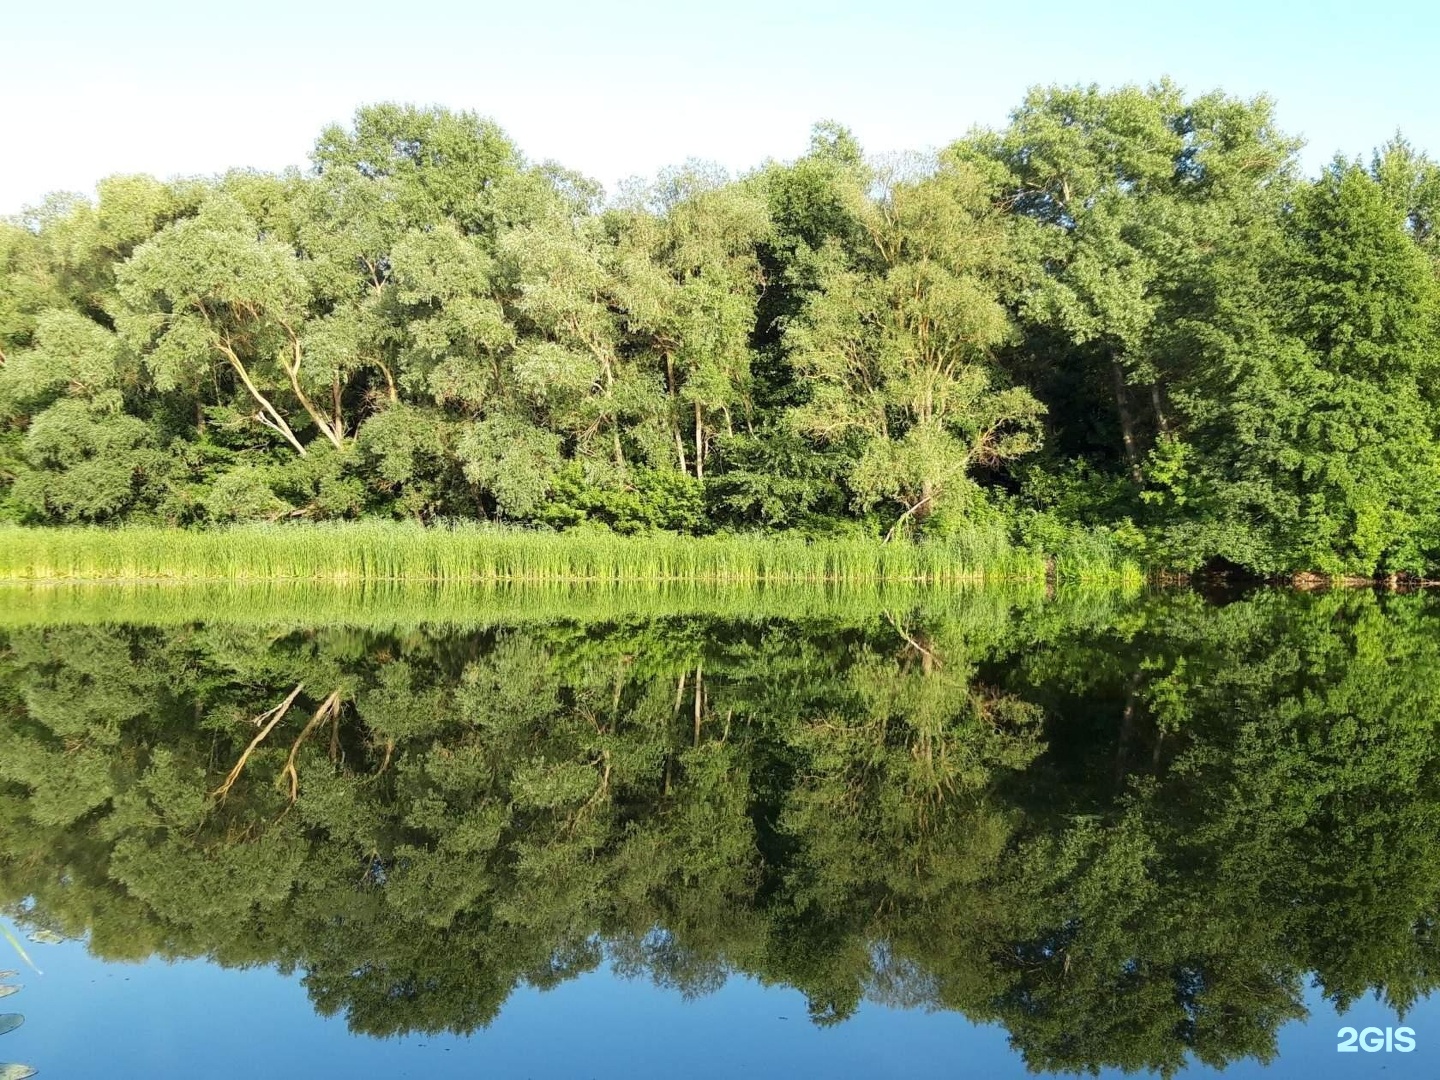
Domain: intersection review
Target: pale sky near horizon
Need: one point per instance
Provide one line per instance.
(176, 88)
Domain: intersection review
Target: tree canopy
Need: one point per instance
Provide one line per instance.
(1124, 311)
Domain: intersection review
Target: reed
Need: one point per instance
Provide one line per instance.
(372, 551)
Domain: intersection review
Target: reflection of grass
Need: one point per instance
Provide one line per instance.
(20, 949)
(393, 551)
(391, 604)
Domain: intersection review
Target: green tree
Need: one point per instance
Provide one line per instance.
(899, 339)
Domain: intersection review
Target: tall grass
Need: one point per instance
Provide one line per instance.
(1092, 556)
(393, 551)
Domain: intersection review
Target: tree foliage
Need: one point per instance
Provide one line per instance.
(1124, 310)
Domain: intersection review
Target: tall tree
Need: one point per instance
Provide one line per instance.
(216, 290)
(689, 281)
(898, 340)
(1119, 197)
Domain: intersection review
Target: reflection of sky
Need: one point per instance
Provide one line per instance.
(84, 1018)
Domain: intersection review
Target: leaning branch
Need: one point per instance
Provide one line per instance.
(292, 370)
(929, 656)
(268, 414)
(906, 515)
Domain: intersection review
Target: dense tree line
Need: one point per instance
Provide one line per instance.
(1127, 310)
(1131, 834)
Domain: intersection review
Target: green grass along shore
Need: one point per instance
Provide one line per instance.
(400, 551)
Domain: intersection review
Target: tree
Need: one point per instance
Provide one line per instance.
(1295, 394)
(899, 340)
(214, 289)
(690, 278)
(1123, 312)
(1118, 196)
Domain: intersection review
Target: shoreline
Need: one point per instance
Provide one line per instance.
(350, 553)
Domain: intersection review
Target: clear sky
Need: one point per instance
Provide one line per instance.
(618, 89)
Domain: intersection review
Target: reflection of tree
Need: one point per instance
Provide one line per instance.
(1276, 818)
(1127, 841)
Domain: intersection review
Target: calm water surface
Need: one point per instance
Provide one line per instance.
(967, 835)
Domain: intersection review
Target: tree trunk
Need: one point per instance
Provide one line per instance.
(699, 445)
(1127, 421)
(338, 421)
(335, 435)
(927, 500)
(1127, 726)
(675, 423)
(699, 701)
(390, 389)
(268, 414)
(1161, 424)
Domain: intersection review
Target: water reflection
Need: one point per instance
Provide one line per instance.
(1127, 832)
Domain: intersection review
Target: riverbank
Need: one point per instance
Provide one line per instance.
(401, 551)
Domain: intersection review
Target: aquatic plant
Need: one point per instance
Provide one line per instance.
(391, 551)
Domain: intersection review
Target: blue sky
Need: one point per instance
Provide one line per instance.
(621, 89)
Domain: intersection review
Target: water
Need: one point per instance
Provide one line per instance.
(964, 835)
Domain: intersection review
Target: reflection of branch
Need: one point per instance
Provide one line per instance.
(389, 753)
(601, 790)
(680, 692)
(329, 707)
(930, 656)
(274, 716)
(699, 701)
(20, 949)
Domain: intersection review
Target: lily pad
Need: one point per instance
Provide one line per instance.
(10, 1021)
(6, 991)
(46, 937)
(16, 1072)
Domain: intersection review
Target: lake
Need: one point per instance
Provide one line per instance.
(552, 833)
